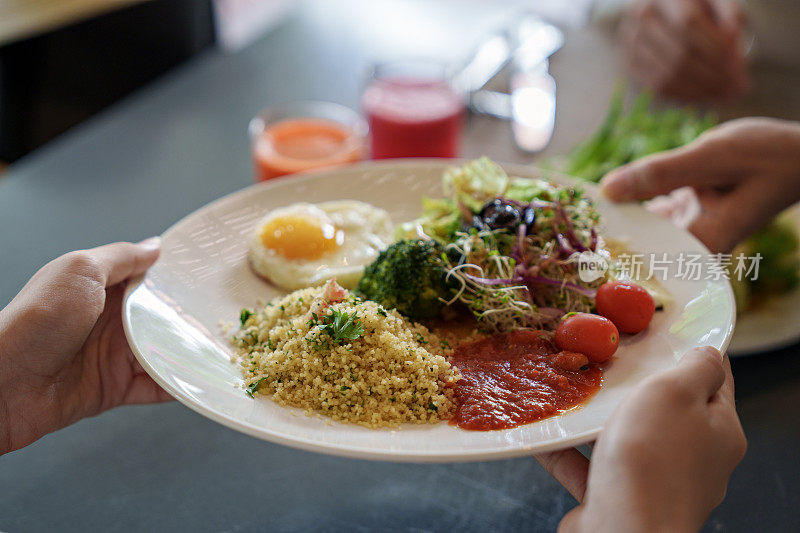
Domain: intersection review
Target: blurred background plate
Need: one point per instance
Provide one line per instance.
(772, 325)
(173, 317)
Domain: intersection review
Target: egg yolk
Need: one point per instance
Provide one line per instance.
(296, 237)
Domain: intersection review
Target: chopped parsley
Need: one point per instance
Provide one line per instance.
(342, 326)
(335, 328)
(433, 407)
(421, 339)
(244, 315)
(382, 312)
(253, 387)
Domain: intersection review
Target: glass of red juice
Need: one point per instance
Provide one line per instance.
(413, 111)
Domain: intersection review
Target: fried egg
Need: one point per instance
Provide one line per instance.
(306, 244)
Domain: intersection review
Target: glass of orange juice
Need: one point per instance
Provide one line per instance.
(305, 135)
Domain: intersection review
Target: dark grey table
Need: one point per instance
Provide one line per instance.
(180, 143)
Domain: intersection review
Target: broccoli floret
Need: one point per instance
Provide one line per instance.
(408, 276)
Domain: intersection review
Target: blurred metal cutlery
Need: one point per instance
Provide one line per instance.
(531, 104)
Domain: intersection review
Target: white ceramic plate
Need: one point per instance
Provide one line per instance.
(172, 320)
(773, 325)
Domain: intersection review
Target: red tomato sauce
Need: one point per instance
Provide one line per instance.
(517, 378)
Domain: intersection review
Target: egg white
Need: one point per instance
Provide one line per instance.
(364, 231)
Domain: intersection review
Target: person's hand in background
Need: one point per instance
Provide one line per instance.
(687, 49)
(744, 173)
(63, 352)
(663, 461)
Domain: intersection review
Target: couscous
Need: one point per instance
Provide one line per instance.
(323, 349)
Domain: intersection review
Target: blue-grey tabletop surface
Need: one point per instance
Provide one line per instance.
(181, 142)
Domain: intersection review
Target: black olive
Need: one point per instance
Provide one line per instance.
(498, 215)
(529, 217)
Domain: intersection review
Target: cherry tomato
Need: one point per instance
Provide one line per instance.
(629, 306)
(592, 335)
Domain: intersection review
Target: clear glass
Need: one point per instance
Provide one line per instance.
(305, 135)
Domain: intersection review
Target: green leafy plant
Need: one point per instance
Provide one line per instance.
(625, 136)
